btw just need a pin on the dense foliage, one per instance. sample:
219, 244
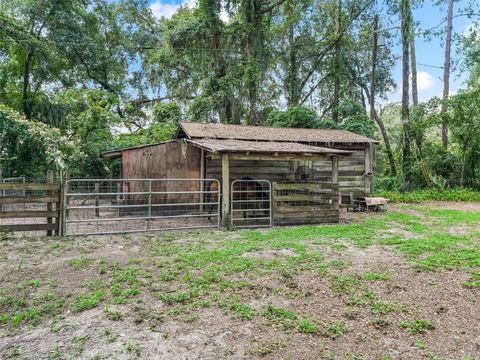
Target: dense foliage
99, 75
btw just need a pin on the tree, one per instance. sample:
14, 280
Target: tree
371, 97
463, 117
405, 29
31, 148
446, 66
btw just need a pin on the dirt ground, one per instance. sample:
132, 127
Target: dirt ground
357, 290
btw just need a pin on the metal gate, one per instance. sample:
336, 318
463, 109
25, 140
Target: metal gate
251, 203
112, 206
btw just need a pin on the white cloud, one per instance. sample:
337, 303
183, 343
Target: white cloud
425, 81
162, 9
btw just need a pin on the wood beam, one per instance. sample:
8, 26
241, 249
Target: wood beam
368, 168
225, 189
270, 157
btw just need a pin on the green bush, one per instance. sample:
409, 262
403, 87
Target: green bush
451, 194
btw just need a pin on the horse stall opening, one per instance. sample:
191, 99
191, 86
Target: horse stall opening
109, 206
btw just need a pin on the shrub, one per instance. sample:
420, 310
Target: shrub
433, 194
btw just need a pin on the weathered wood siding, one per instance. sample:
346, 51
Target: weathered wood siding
255, 169
351, 169
305, 203
173, 160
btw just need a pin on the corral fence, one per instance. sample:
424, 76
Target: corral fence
251, 203
30, 206
113, 206
305, 203
110, 206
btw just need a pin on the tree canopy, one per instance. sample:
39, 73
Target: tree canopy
95, 75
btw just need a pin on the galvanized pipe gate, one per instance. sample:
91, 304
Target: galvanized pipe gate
251, 203
112, 206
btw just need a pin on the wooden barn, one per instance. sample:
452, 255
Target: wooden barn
310, 173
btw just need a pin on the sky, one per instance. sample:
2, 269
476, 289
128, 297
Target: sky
431, 52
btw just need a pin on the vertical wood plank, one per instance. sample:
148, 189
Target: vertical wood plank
225, 190
61, 214
334, 169
335, 174
202, 176
368, 168
66, 203
49, 205
1, 180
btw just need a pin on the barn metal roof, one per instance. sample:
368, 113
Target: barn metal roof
242, 146
117, 153
243, 132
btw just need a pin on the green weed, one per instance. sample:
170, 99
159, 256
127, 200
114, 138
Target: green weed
88, 300
334, 329
417, 326
244, 311
307, 327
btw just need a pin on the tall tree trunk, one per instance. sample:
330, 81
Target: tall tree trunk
293, 91
446, 67
26, 105
338, 49
371, 99
254, 53
374, 67
413, 59
405, 26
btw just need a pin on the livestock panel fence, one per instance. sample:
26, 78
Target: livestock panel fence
110, 206
30, 206
251, 203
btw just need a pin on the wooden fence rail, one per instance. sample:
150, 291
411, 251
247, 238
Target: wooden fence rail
41, 205
305, 203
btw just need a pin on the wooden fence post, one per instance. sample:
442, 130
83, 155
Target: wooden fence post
66, 201
49, 205
61, 198
1, 180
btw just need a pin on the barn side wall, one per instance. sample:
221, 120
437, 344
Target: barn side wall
164, 161
173, 160
254, 169
351, 169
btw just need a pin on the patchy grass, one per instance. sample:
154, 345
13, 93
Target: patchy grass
417, 326
267, 290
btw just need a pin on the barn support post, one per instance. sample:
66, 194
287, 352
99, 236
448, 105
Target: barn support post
335, 175
1, 180
225, 190
334, 169
202, 176
368, 167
